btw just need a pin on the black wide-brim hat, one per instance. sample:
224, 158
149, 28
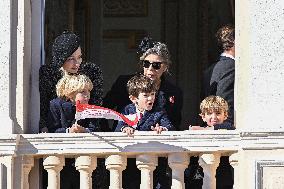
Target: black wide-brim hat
63, 47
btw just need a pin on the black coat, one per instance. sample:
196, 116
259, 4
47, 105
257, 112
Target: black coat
222, 84
48, 77
170, 95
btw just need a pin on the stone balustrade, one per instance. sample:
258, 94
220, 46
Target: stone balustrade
18, 153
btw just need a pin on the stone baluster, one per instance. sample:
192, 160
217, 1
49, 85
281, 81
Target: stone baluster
85, 165
116, 164
27, 164
209, 163
178, 162
53, 165
234, 162
146, 164
7, 176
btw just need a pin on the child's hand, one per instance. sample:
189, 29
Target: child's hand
128, 130
158, 128
77, 129
195, 127
209, 128
200, 128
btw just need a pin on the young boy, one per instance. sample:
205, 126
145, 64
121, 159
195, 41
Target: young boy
61, 119
141, 90
70, 89
214, 112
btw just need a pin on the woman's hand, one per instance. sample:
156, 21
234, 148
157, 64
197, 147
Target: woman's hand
158, 128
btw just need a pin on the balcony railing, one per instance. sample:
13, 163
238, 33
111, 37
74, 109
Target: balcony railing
19, 152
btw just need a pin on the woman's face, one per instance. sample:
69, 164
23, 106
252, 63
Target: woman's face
152, 70
72, 63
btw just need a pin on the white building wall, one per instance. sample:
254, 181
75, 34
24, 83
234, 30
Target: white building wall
260, 64
5, 48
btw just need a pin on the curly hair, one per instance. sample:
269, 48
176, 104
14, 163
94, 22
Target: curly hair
140, 84
226, 37
69, 85
213, 104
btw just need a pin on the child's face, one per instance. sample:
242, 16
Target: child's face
144, 101
83, 96
214, 117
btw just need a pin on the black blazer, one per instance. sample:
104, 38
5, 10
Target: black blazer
169, 95
62, 116
222, 84
150, 118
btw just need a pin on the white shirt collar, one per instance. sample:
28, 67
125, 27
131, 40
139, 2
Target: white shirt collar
138, 112
227, 55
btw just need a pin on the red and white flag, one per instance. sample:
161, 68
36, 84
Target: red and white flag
92, 111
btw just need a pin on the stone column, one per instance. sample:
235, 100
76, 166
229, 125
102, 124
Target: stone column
178, 162
85, 165
27, 164
15, 63
5, 64
234, 162
209, 163
116, 164
53, 165
7, 174
146, 164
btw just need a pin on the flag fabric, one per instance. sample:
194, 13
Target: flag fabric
92, 111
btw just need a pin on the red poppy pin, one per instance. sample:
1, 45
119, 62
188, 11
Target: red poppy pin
172, 99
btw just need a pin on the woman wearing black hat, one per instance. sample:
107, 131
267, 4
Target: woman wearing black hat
66, 59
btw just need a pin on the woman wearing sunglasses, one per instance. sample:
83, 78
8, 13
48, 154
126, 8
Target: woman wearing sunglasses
154, 62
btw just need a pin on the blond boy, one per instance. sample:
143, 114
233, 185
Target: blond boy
214, 112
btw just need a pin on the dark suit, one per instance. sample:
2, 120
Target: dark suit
171, 97
150, 118
222, 79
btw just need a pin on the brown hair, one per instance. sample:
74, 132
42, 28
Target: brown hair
140, 84
226, 37
213, 104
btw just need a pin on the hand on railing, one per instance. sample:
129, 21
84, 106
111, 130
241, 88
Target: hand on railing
128, 130
158, 128
77, 129
196, 127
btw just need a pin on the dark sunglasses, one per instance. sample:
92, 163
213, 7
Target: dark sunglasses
155, 65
